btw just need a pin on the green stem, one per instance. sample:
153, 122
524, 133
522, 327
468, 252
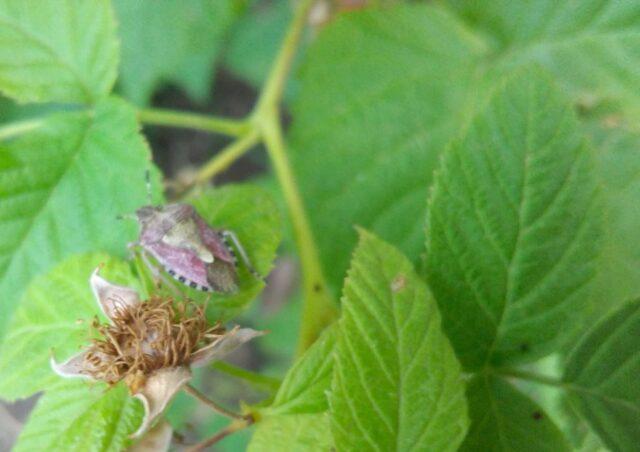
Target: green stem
227, 156
261, 381
210, 403
236, 425
530, 376
172, 118
274, 86
16, 129
319, 309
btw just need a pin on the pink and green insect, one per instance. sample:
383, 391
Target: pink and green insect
191, 251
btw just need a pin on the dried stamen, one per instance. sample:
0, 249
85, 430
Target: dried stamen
155, 334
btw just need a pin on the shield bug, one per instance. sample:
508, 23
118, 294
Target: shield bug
190, 250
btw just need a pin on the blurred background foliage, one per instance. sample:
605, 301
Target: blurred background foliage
369, 90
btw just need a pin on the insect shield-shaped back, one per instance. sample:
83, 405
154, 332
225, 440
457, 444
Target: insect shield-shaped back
188, 249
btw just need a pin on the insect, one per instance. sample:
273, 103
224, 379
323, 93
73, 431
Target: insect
191, 251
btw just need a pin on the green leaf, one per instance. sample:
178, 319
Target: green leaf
54, 316
61, 188
513, 228
176, 42
64, 51
294, 433
304, 388
504, 419
589, 45
396, 383
74, 416
619, 170
252, 215
602, 378
553, 400
381, 94
297, 418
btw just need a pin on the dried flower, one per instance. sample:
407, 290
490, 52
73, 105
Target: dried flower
149, 345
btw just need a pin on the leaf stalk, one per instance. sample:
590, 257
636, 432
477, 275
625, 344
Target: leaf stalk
223, 159
236, 425
210, 403
174, 118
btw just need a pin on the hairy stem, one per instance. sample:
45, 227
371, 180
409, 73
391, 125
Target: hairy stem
261, 381
173, 118
210, 403
227, 156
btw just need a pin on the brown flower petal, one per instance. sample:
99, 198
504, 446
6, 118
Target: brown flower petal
76, 366
111, 297
157, 439
223, 346
158, 391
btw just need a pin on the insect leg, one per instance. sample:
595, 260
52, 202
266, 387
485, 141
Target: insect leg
126, 216
157, 274
134, 248
147, 178
243, 255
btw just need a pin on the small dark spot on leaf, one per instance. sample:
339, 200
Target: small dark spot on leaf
317, 288
398, 283
524, 347
537, 415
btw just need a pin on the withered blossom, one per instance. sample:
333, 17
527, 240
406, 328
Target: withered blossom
150, 345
